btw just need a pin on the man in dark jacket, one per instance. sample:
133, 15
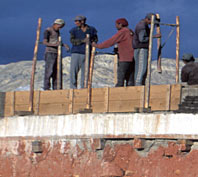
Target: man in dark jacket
78, 40
189, 72
140, 45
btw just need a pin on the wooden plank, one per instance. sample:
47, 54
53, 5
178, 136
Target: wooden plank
123, 106
106, 100
22, 97
142, 97
54, 109
98, 107
54, 96
12, 108
175, 96
37, 102
125, 93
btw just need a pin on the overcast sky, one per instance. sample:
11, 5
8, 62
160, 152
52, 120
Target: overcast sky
19, 19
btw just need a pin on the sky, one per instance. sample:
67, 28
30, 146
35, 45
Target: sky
19, 19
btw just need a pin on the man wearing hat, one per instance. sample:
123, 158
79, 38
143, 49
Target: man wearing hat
141, 44
189, 72
51, 42
78, 40
123, 38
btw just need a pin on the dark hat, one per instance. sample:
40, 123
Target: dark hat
149, 15
188, 57
80, 17
122, 21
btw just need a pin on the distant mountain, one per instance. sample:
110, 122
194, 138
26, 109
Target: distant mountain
16, 76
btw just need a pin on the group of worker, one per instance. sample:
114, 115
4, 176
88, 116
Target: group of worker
132, 52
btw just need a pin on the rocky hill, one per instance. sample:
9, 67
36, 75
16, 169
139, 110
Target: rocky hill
16, 76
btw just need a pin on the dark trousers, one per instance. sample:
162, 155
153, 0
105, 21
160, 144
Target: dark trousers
50, 71
125, 73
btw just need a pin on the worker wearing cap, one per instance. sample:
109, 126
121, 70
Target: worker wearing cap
141, 44
78, 40
123, 38
51, 36
189, 72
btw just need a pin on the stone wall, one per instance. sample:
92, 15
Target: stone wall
98, 158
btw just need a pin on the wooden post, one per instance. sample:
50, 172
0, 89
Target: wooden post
86, 62
90, 77
59, 65
177, 48
159, 69
34, 65
148, 80
115, 68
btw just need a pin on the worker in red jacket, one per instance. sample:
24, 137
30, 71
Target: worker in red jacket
123, 38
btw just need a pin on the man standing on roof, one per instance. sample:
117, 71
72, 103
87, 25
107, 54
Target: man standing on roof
123, 38
51, 36
140, 45
78, 40
189, 72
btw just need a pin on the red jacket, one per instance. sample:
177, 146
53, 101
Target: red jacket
124, 40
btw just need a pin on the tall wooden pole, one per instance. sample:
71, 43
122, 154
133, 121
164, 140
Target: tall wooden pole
31, 96
159, 68
90, 77
86, 62
177, 48
115, 68
148, 80
59, 65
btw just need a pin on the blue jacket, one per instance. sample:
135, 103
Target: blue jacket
77, 35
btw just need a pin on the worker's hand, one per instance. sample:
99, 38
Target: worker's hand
94, 44
56, 44
66, 47
85, 40
157, 35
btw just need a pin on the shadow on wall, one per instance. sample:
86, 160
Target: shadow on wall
2, 104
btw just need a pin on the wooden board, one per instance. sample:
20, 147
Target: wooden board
121, 99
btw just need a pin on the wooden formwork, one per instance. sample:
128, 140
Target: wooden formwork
120, 99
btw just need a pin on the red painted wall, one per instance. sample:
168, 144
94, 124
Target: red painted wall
93, 158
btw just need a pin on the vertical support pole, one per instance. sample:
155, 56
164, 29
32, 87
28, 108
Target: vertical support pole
177, 48
59, 65
115, 68
90, 77
159, 68
86, 62
34, 65
148, 80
